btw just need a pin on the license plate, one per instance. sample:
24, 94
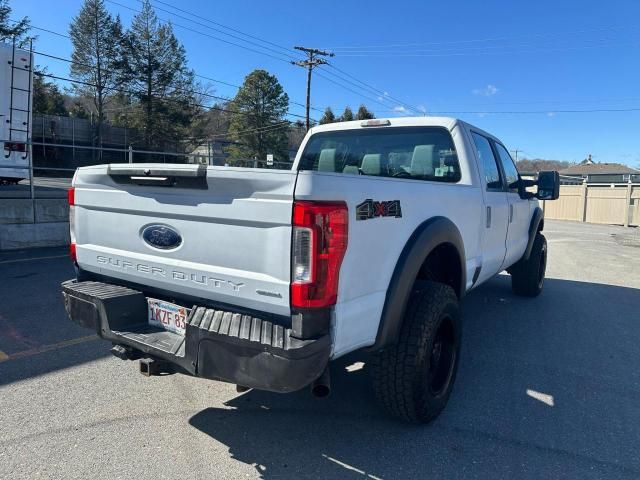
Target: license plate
167, 315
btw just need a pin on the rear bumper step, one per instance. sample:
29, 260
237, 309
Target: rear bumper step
218, 344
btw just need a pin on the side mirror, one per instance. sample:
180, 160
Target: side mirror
548, 185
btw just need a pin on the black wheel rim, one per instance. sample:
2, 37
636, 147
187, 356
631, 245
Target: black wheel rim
442, 358
543, 266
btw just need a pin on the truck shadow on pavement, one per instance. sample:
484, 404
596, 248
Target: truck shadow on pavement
547, 387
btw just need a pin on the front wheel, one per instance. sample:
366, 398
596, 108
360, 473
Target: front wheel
527, 276
413, 378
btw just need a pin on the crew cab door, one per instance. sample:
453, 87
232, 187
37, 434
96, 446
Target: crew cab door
496, 211
518, 227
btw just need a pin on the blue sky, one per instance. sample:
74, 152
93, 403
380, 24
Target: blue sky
468, 57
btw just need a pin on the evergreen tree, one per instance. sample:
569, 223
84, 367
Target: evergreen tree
364, 114
161, 80
47, 97
10, 29
78, 110
347, 115
327, 116
97, 56
296, 134
258, 123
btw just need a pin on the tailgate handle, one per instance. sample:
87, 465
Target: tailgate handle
159, 176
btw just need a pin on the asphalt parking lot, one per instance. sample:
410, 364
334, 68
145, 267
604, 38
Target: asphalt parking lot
547, 387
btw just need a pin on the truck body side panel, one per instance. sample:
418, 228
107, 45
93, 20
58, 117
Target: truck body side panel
375, 244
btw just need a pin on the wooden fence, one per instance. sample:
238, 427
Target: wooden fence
614, 204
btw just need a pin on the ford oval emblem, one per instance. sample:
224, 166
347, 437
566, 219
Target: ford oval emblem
161, 236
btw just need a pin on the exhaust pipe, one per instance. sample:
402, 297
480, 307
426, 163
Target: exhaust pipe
321, 387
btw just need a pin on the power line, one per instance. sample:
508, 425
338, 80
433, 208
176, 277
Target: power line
329, 79
250, 42
571, 34
371, 99
310, 63
533, 49
276, 126
447, 112
532, 112
374, 90
205, 34
588, 44
178, 89
165, 99
204, 77
225, 26
236, 86
288, 50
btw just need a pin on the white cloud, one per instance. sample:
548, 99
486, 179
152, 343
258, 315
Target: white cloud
487, 91
399, 109
422, 108
551, 114
380, 98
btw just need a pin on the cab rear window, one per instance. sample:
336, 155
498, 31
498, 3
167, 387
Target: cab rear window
419, 153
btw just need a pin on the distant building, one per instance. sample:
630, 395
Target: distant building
595, 172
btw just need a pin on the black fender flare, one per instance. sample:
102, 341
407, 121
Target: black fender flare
429, 235
536, 225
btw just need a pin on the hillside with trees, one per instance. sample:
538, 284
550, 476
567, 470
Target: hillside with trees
347, 115
526, 165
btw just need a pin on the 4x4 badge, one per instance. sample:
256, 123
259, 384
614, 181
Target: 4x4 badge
370, 209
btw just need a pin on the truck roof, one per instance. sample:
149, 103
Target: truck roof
446, 122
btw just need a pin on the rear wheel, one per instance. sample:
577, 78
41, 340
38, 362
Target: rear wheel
414, 378
527, 276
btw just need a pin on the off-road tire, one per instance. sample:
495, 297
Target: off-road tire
527, 276
410, 378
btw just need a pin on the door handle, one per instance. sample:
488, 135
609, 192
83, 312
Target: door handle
511, 213
488, 217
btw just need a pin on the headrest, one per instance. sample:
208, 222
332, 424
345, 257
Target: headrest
327, 160
371, 164
422, 160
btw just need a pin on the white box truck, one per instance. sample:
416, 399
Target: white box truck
16, 85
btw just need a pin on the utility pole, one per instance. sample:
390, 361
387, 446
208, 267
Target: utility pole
311, 62
516, 154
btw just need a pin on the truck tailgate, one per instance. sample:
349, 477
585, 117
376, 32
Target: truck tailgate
229, 230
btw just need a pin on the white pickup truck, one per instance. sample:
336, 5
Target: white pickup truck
262, 277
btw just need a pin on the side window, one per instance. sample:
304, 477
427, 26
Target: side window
510, 170
488, 161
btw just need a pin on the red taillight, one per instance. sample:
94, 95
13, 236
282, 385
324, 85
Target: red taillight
320, 232
71, 197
